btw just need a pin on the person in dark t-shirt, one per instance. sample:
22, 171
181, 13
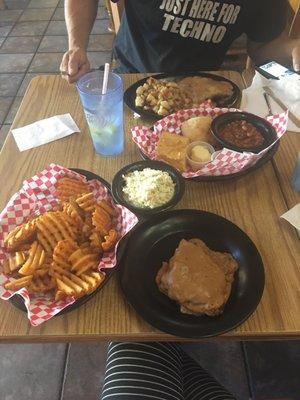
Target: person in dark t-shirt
182, 35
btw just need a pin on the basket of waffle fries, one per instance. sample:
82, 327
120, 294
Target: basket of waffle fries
59, 237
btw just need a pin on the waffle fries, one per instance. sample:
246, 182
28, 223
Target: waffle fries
59, 251
101, 220
87, 202
35, 260
68, 188
20, 235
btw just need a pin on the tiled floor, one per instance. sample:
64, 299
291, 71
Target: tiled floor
33, 38
32, 41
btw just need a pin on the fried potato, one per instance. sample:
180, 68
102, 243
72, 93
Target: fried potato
41, 284
69, 291
59, 251
20, 235
73, 285
96, 240
78, 290
94, 279
35, 260
59, 295
83, 260
20, 257
14, 262
87, 228
54, 227
101, 220
65, 276
85, 245
74, 211
162, 96
45, 270
86, 248
87, 202
70, 187
110, 210
18, 283
57, 271
110, 240
24, 247
62, 252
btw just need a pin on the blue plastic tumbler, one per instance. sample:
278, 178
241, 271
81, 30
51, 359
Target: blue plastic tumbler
104, 112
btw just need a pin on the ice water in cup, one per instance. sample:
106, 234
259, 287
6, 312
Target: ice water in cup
104, 112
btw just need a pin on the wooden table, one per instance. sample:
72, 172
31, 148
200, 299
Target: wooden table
254, 203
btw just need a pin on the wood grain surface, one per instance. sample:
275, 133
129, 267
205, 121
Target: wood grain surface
285, 159
253, 202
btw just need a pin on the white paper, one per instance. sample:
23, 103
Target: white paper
44, 131
286, 89
293, 216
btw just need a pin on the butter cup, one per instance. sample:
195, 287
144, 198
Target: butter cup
196, 165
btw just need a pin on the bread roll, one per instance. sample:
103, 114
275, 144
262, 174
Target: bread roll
198, 128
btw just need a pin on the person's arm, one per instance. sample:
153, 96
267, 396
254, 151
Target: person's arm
80, 16
283, 49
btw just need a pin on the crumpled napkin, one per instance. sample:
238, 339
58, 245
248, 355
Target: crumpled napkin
44, 131
293, 216
287, 89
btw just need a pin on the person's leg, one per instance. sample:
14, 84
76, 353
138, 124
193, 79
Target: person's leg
199, 385
143, 371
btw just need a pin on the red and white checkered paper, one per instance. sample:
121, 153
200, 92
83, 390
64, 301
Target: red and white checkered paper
226, 161
36, 197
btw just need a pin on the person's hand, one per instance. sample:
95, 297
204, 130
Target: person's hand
74, 65
296, 57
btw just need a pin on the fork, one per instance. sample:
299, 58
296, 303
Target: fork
268, 105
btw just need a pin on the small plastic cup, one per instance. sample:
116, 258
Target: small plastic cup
196, 165
104, 112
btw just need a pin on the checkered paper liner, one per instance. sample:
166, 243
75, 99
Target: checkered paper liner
37, 196
225, 162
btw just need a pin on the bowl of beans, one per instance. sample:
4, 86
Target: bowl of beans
242, 131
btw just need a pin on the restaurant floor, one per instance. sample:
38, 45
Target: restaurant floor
32, 41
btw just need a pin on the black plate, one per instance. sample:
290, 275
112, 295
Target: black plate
154, 241
262, 161
18, 301
262, 125
130, 93
118, 183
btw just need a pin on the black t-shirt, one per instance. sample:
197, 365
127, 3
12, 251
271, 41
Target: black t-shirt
190, 35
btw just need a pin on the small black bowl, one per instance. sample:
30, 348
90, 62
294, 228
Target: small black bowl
118, 183
263, 126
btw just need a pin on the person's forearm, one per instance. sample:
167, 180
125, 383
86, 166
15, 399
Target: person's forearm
80, 17
279, 50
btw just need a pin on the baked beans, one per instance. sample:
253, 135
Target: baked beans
242, 134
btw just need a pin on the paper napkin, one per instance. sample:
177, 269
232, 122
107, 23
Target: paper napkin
44, 131
287, 89
293, 216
